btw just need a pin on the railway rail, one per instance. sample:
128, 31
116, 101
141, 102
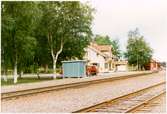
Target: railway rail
129, 102
20, 93
151, 105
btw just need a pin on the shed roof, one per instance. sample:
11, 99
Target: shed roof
73, 61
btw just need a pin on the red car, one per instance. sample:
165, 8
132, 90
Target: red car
91, 70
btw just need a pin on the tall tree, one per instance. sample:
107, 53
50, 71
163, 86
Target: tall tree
65, 23
116, 48
18, 20
102, 40
138, 51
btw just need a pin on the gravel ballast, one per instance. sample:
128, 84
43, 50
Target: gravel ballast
73, 99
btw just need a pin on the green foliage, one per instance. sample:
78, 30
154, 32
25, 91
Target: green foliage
102, 40
18, 21
138, 51
115, 48
31, 29
64, 22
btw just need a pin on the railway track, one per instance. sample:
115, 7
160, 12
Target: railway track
20, 93
129, 102
151, 106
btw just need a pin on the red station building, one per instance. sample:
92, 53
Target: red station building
153, 65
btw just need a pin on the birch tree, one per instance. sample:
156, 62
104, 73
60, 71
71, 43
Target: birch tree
63, 22
17, 23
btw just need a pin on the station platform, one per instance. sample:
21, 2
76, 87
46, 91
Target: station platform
59, 82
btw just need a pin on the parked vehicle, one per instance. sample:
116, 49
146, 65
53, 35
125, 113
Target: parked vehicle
91, 70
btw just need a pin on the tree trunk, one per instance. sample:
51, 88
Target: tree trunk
54, 57
15, 71
54, 68
46, 68
21, 74
55, 62
13, 33
38, 73
15, 62
5, 75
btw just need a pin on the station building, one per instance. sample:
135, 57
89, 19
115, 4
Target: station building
153, 65
101, 56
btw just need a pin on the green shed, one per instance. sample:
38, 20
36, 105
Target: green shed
75, 68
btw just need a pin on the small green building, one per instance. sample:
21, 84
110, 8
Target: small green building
74, 68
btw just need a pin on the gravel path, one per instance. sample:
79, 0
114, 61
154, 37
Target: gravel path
73, 99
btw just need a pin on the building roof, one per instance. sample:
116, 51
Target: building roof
102, 47
97, 51
72, 61
153, 60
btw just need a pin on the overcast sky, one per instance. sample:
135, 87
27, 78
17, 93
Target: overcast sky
116, 17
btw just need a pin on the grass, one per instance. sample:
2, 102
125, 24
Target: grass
25, 80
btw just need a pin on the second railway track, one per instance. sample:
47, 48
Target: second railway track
129, 102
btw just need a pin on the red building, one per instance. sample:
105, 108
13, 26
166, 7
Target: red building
153, 65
